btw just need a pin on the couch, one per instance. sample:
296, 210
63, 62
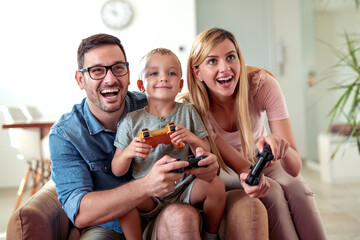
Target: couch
41, 217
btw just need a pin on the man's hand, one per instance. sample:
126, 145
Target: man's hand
160, 180
205, 173
257, 191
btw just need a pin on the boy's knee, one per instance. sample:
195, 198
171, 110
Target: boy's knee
217, 188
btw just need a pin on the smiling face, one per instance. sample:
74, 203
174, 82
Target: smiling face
220, 70
162, 77
107, 94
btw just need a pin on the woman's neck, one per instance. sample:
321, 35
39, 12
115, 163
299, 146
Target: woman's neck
221, 103
223, 111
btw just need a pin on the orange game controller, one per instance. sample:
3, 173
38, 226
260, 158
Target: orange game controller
159, 136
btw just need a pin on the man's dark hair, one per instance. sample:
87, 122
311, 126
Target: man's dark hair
94, 41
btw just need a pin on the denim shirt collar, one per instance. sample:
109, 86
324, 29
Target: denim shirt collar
92, 123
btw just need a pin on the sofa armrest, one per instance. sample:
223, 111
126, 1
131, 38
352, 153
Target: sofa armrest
41, 217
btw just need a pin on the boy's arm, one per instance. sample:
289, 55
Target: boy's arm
122, 158
200, 142
120, 164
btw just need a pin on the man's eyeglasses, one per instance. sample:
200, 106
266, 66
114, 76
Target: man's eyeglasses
99, 72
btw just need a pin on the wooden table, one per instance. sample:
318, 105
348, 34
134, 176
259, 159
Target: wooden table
41, 169
43, 125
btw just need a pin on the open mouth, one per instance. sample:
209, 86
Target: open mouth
224, 81
109, 93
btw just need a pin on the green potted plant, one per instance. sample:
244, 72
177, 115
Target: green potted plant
348, 104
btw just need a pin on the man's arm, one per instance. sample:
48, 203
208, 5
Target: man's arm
103, 206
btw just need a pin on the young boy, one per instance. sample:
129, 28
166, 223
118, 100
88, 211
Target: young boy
161, 80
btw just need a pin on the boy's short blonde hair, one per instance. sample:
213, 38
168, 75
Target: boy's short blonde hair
161, 51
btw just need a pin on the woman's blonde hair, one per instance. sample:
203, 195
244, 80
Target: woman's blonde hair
204, 43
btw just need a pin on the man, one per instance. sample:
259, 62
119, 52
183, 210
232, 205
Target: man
81, 148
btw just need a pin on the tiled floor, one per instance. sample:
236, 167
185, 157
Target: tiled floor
339, 206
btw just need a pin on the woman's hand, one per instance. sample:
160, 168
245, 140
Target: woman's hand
279, 146
258, 191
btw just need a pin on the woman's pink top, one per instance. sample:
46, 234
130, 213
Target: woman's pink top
267, 97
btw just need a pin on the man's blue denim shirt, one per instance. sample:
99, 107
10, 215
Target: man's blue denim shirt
81, 151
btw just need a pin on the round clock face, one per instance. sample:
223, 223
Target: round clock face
116, 14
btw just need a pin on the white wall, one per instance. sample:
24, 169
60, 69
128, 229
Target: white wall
254, 32
288, 33
38, 45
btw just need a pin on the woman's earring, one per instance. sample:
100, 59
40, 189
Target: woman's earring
201, 80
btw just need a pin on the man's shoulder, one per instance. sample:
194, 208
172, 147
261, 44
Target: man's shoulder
75, 116
136, 113
136, 96
135, 100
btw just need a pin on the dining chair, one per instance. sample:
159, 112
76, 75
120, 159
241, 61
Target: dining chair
33, 113
27, 143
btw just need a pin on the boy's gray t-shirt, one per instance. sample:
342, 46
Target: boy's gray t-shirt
183, 113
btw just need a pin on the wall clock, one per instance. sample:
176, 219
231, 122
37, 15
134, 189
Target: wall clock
116, 14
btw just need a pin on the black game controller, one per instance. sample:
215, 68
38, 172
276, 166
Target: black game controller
264, 157
193, 163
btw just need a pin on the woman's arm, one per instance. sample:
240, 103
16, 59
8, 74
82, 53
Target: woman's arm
270, 98
233, 158
283, 146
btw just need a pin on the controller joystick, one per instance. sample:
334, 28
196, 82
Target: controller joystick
263, 158
193, 163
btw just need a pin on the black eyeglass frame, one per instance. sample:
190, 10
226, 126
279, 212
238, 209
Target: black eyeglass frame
106, 70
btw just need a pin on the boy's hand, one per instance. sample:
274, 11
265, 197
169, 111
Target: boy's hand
182, 134
137, 148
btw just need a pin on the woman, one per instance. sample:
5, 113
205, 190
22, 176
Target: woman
233, 100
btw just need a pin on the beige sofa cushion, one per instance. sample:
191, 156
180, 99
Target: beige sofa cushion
41, 217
